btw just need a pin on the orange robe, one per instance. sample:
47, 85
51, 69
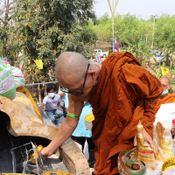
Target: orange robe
169, 98
125, 93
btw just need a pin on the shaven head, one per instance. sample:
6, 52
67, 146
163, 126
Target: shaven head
70, 68
165, 82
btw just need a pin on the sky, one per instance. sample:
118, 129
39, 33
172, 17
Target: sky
140, 8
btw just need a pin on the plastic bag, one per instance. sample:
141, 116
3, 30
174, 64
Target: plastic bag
18, 77
7, 83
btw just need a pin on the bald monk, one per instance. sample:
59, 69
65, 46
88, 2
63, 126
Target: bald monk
166, 97
121, 92
165, 84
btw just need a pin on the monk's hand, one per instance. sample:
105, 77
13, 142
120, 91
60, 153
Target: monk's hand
46, 152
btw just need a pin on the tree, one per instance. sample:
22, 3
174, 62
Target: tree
6, 9
136, 35
165, 38
43, 29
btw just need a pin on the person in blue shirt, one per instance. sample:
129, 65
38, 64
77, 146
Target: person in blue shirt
82, 132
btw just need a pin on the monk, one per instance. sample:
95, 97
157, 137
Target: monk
166, 97
165, 84
121, 92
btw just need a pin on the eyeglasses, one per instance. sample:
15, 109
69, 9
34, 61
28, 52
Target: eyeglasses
80, 90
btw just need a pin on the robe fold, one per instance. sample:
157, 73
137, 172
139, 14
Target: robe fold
169, 98
125, 93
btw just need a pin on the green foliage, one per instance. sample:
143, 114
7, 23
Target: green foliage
136, 35
165, 38
42, 29
131, 32
45, 26
102, 28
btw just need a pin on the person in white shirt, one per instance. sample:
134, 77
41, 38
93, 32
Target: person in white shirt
51, 102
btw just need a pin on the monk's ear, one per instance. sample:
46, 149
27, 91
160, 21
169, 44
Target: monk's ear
93, 72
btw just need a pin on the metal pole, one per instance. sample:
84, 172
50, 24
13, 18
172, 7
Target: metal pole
112, 6
113, 35
153, 31
113, 25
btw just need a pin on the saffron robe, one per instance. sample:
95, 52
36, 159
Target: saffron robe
125, 93
169, 98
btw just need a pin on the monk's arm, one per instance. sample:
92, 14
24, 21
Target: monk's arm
62, 134
67, 127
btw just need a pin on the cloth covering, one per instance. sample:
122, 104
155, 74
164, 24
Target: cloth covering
125, 93
169, 98
166, 112
25, 117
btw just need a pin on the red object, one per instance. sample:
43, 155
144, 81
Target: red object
173, 122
